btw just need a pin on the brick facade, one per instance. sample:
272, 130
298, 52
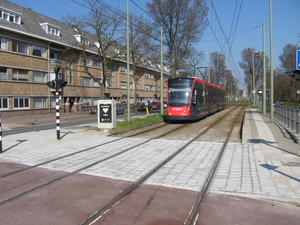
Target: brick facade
23, 75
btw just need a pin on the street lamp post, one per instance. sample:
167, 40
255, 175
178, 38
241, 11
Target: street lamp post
253, 78
208, 66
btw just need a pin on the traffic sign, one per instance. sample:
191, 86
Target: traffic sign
298, 60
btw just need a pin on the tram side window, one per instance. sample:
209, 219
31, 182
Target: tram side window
200, 95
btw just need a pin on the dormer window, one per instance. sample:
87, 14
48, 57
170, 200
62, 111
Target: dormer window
51, 29
82, 40
9, 15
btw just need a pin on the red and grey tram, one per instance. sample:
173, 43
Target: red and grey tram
193, 98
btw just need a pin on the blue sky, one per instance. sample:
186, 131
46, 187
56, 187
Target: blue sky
286, 29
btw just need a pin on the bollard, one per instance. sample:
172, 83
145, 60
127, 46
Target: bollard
35, 126
147, 110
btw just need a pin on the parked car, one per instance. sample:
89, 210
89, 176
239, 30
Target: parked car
276, 102
142, 107
120, 109
155, 105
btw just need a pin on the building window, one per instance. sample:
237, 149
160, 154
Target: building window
3, 103
52, 102
53, 76
149, 76
107, 83
123, 69
19, 74
39, 102
38, 51
96, 100
96, 63
39, 76
82, 40
19, 46
86, 101
86, 81
54, 55
123, 84
69, 76
3, 45
21, 102
3, 73
96, 84
51, 29
88, 62
10, 16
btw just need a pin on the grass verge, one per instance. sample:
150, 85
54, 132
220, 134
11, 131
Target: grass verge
134, 123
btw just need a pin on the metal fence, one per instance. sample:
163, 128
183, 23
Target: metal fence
289, 116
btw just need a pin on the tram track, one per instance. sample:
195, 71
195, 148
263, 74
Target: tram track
125, 192
85, 150
96, 215
194, 212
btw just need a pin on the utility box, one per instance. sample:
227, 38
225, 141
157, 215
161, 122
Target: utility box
107, 114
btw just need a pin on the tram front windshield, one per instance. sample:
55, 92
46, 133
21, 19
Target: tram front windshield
179, 92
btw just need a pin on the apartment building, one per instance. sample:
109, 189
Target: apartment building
31, 44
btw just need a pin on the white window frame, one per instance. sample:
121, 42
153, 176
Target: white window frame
3, 43
20, 76
52, 102
123, 69
20, 47
39, 76
52, 76
51, 29
96, 99
82, 40
10, 16
123, 84
39, 102
95, 83
3, 75
86, 101
107, 83
86, 81
3, 101
96, 63
149, 76
38, 51
88, 61
24, 101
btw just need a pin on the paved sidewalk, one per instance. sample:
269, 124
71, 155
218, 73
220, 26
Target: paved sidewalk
261, 167
265, 166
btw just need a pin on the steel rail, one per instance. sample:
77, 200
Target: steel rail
74, 172
195, 210
96, 215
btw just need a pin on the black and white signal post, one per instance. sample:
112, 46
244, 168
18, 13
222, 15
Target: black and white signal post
57, 84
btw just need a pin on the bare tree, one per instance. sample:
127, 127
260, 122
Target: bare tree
191, 65
285, 87
288, 57
252, 59
141, 47
183, 22
217, 68
231, 84
97, 31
